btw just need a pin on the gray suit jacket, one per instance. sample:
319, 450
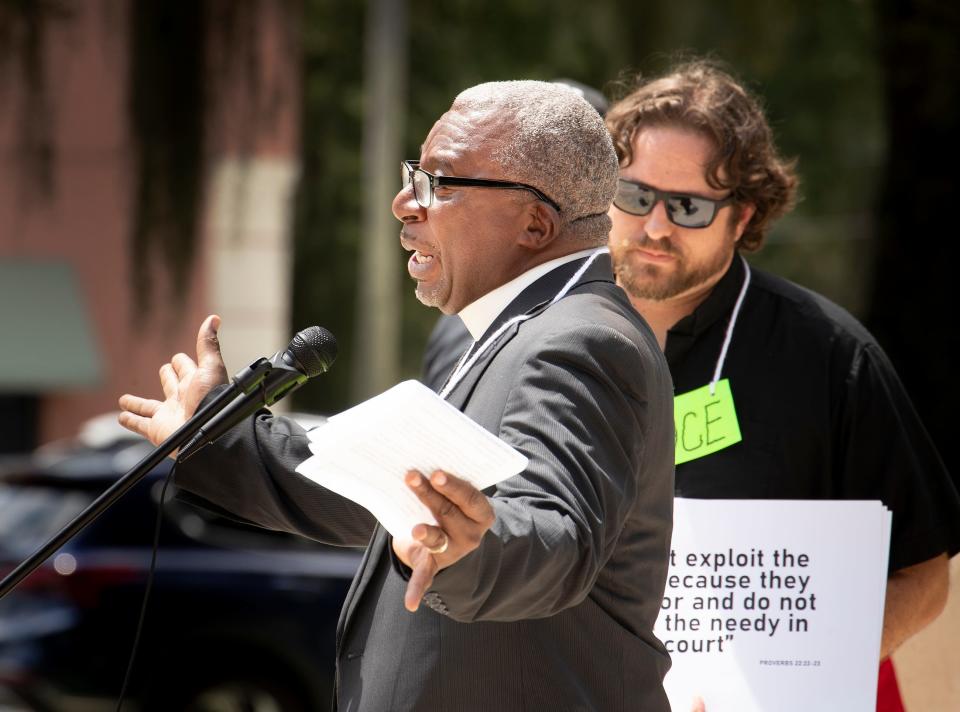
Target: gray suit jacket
555, 609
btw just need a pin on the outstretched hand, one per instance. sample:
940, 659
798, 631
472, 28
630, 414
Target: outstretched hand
463, 514
184, 383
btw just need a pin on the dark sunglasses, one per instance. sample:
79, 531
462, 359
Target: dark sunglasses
684, 210
424, 184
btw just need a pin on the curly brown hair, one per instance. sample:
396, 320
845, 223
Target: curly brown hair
702, 97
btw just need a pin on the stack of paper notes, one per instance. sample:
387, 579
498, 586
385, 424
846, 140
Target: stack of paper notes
365, 452
775, 605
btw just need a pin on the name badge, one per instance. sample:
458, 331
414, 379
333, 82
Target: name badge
704, 423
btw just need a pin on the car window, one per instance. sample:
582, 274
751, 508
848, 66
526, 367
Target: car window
30, 515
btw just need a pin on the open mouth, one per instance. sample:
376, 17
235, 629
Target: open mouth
423, 266
422, 263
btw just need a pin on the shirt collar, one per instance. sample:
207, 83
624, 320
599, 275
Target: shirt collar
480, 314
717, 304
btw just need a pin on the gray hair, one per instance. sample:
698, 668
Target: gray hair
558, 144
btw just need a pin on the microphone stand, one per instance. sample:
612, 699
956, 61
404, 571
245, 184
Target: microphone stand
244, 382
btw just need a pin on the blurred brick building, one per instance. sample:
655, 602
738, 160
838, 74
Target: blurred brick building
72, 337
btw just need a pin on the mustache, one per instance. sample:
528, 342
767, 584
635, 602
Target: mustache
406, 235
662, 245
409, 241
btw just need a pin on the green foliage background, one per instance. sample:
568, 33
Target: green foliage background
816, 65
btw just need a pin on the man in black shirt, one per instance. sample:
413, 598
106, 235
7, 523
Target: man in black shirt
822, 414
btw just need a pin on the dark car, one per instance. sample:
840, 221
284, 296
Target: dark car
240, 618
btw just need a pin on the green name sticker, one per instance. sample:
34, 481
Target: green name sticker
704, 423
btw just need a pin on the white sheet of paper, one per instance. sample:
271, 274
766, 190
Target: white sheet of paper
807, 638
363, 453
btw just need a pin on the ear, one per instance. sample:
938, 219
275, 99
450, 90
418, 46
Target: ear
746, 213
540, 228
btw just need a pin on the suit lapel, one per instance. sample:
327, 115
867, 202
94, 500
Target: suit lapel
461, 392
531, 301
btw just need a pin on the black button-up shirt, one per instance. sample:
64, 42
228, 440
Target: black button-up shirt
821, 411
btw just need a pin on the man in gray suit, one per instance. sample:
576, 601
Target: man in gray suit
542, 591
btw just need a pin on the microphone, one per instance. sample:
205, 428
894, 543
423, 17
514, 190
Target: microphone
265, 381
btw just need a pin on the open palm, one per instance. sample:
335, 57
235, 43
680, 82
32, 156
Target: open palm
184, 383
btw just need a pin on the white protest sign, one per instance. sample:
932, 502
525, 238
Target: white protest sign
775, 605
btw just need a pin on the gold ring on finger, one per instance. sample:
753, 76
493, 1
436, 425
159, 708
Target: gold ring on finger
442, 548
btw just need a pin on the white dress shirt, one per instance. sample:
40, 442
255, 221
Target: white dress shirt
480, 314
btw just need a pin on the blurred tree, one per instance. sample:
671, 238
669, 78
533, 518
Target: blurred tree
182, 57
24, 26
375, 361
328, 203
167, 107
911, 305
815, 64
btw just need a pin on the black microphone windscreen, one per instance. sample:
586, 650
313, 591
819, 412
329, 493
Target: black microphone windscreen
315, 350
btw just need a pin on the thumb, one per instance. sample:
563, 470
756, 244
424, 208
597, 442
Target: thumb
208, 345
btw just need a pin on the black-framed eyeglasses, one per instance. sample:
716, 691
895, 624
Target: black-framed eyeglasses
425, 183
683, 209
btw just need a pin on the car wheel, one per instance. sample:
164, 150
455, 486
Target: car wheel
235, 691
244, 696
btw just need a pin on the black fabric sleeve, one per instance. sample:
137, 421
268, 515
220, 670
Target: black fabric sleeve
250, 473
889, 455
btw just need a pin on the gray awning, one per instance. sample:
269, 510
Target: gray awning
46, 339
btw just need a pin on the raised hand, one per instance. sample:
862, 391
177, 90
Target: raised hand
463, 515
184, 384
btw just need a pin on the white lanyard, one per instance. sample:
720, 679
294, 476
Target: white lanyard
465, 364
733, 322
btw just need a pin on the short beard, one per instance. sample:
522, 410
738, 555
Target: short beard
646, 281
435, 296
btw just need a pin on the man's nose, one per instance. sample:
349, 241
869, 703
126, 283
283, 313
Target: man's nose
658, 225
405, 206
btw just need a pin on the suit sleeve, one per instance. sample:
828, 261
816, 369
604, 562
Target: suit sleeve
579, 410
250, 473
